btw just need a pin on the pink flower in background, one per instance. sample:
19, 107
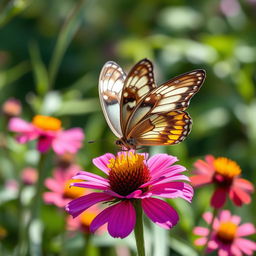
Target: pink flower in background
48, 131
83, 221
225, 175
29, 176
59, 185
227, 236
12, 107
131, 177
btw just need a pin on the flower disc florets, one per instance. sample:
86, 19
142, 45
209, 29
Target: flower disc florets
127, 173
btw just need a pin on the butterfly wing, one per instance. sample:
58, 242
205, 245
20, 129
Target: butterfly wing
162, 129
111, 83
138, 83
173, 95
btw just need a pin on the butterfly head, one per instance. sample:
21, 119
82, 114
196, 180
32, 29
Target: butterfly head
127, 144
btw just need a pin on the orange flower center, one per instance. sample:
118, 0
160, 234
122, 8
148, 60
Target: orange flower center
127, 173
73, 192
47, 123
87, 217
227, 231
226, 167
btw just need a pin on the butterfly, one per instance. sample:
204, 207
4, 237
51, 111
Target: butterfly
140, 113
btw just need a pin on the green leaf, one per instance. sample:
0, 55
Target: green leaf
67, 33
78, 107
12, 9
14, 73
39, 70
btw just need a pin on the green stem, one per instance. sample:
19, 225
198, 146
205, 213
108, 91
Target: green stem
87, 245
36, 204
138, 231
63, 234
22, 245
214, 214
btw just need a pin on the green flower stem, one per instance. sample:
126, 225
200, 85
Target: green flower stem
214, 214
21, 247
36, 204
138, 231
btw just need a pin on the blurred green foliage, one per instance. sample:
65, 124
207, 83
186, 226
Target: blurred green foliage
51, 53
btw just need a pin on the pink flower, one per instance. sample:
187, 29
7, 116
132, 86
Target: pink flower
48, 131
225, 175
227, 236
83, 221
59, 185
131, 177
29, 175
11, 107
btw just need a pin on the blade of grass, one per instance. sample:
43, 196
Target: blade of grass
67, 33
39, 70
14, 73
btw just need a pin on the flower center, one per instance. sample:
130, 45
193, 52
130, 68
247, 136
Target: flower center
87, 217
227, 231
73, 192
127, 173
47, 123
225, 170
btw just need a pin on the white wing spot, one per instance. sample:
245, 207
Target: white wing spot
126, 94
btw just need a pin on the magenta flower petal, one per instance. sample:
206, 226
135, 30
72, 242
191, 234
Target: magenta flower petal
159, 162
200, 180
122, 220
172, 170
246, 246
205, 167
160, 212
173, 190
25, 130
88, 176
82, 203
225, 215
201, 231
219, 198
200, 241
68, 141
53, 185
246, 229
92, 185
239, 196
103, 161
18, 125
53, 198
165, 180
44, 143
244, 184
101, 219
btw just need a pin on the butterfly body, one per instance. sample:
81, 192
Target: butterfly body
140, 113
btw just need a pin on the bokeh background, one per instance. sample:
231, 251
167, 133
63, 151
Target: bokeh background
51, 53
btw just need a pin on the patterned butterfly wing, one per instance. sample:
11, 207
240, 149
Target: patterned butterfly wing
138, 83
162, 129
173, 95
111, 83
